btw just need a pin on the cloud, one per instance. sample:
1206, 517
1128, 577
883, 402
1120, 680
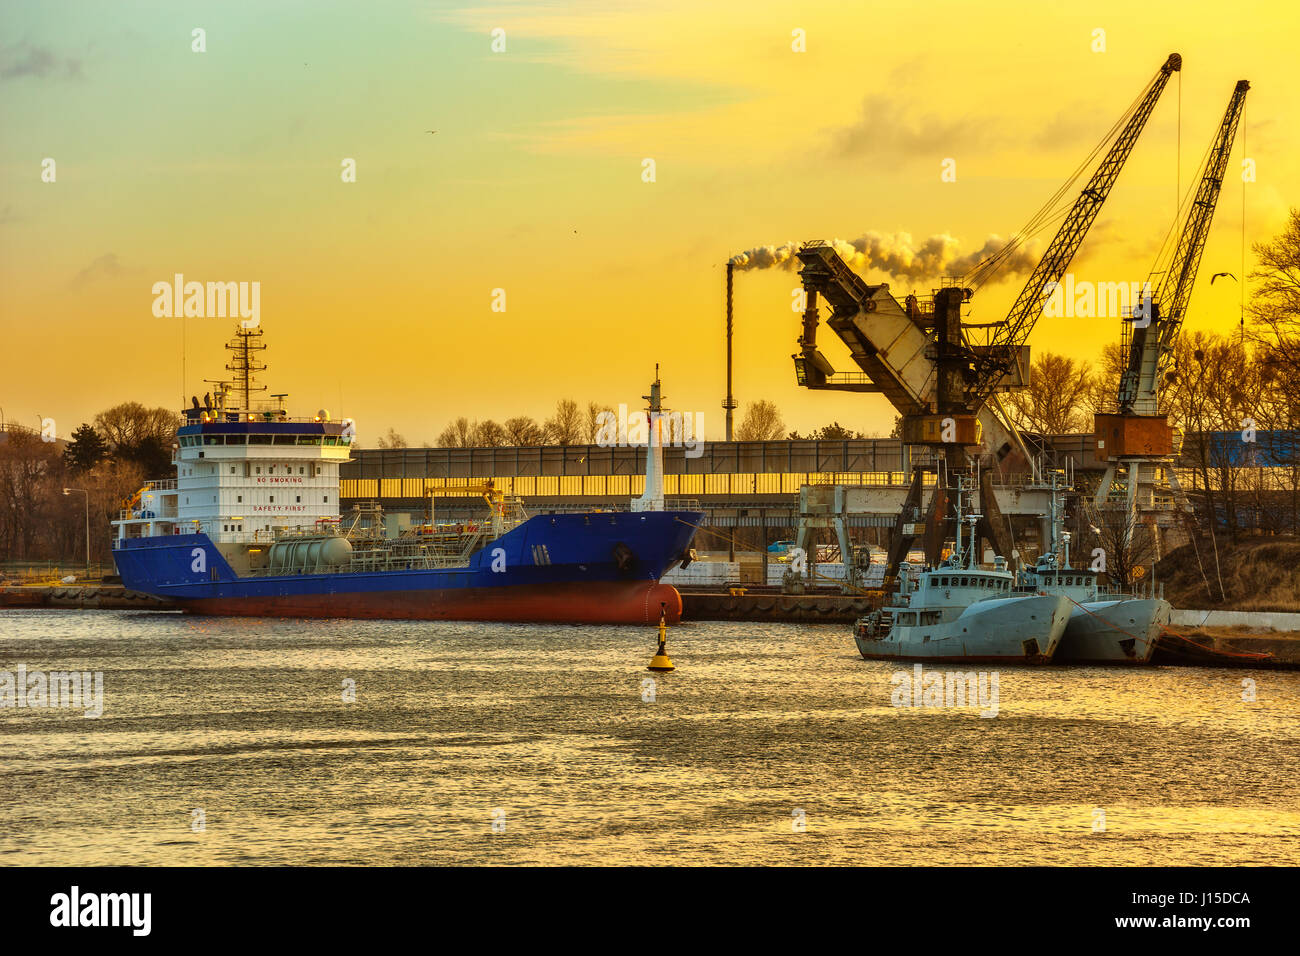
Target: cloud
22, 59
883, 130
105, 267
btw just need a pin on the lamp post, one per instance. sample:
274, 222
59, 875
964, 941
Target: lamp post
68, 491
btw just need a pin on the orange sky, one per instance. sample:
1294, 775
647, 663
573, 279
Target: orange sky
376, 295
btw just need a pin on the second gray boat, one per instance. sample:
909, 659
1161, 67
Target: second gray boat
960, 612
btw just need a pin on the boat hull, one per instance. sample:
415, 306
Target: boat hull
596, 568
1114, 632
1023, 630
608, 602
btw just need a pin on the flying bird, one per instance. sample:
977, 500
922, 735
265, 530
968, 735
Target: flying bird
431, 131
1217, 274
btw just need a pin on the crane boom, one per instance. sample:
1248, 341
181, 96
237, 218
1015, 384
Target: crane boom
1005, 343
1155, 326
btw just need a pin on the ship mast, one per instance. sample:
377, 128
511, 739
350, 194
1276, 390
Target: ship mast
653, 498
244, 364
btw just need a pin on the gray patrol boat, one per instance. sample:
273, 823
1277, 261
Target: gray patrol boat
960, 612
1105, 627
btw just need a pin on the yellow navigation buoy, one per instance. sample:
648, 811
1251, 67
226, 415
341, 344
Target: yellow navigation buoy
660, 661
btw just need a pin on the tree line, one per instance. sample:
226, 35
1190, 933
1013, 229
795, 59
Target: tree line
571, 424
109, 458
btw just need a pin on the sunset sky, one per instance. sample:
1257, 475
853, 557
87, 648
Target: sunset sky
376, 295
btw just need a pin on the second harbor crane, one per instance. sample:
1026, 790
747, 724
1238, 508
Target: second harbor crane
942, 376
1136, 441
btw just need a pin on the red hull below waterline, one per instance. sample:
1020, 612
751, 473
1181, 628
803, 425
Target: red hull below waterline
623, 602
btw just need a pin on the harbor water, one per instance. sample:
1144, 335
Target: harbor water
252, 741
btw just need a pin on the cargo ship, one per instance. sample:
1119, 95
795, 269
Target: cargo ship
251, 526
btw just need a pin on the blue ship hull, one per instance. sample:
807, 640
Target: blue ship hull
563, 568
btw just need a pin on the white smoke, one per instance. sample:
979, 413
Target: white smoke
899, 256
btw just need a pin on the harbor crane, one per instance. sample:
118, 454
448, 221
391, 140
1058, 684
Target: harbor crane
918, 353
1137, 441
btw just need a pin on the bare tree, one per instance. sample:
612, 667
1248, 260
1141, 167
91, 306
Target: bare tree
390, 440
762, 422
460, 433
1103, 385
1275, 305
592, 427
1274, 312
568, 425
1128, 544
522, 430
39, 522
1056, 401
491, 434
130, 424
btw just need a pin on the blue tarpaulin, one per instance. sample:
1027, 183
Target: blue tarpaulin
1275, 448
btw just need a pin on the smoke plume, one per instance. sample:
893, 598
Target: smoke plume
898, 256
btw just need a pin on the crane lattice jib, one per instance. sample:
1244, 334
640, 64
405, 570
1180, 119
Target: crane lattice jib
1176, 286
1011, 335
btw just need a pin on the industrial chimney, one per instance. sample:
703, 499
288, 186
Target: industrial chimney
729, 403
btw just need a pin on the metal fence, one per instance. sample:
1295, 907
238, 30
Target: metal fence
868, 455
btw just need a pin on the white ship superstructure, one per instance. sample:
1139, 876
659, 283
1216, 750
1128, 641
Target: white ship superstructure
245, 470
